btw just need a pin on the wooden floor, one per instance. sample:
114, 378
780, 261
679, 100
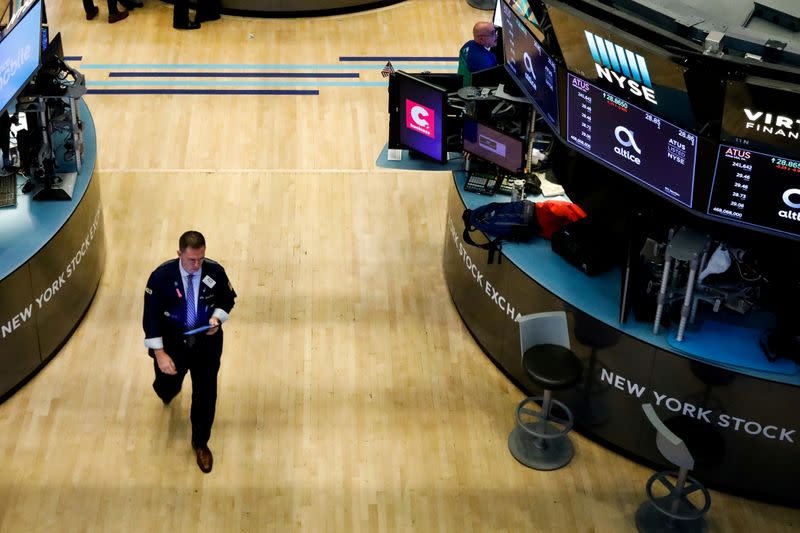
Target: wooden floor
351, 396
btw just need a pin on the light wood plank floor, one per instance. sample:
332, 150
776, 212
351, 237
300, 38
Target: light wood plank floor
351, 396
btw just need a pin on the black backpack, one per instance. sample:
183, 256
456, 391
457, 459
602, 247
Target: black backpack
501, 221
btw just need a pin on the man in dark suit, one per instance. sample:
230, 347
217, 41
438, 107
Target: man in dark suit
207, 10
181, 295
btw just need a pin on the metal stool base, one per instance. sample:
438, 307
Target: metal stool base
486, 5
651, 520
556, 453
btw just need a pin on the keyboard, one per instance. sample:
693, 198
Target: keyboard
8, 190
486, 183
481, 183
505, 187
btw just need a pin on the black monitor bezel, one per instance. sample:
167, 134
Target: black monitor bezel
522, 143
556, 75
443, 92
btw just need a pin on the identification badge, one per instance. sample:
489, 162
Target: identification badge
209, 282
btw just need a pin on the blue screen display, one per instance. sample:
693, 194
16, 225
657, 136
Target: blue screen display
530, 66
631, 140
421, 116
19, 54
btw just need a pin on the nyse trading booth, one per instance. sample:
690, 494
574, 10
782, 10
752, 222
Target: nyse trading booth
676, 129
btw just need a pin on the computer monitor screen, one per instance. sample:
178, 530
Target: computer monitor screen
524, 10
531, 67
756, 189
762, 114
422, 106
20, 51
631, 140
487, 143
54, 53
622, 63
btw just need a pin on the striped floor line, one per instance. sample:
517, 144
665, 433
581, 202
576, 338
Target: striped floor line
117, 74
221, 83
396, 58
263, 92
227, 66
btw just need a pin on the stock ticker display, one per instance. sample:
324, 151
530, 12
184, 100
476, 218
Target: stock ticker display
757, 189
531, 67
631, 140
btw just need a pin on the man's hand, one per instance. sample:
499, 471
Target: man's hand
214, 321
165, 363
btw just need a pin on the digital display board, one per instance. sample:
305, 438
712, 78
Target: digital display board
756, 189
530, 66
622, 63
489, 144
20, 52
762, 114
631, 140
421, 116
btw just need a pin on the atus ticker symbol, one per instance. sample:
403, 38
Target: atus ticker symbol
630, 142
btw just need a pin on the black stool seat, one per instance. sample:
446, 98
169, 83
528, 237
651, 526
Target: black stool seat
552, 367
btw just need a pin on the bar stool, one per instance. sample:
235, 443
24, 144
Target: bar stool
673, 512
540, 439
686, 247
486, 5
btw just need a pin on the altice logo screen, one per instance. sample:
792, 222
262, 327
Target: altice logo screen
19, 54
622, 67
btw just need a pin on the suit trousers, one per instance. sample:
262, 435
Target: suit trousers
200, 356
205, 9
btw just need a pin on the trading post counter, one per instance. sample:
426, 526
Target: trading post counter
288, 8
51, 258
739, 423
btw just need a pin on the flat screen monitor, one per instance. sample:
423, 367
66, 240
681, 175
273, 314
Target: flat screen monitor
762, 114
524, 10
756, 189
496, 15
622, 63
494, 146
20, 51
422, 107
631, 140
530, 66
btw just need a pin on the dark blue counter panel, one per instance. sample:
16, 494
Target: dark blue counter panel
731, 347
740, 425
51, 258
24, 229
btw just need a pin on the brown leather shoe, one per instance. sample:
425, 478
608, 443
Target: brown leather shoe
92, 13
204, 458
116, 17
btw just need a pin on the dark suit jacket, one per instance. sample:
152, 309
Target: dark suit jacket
165, 305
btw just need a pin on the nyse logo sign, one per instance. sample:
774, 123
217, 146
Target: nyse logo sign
420, 118
622, 67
